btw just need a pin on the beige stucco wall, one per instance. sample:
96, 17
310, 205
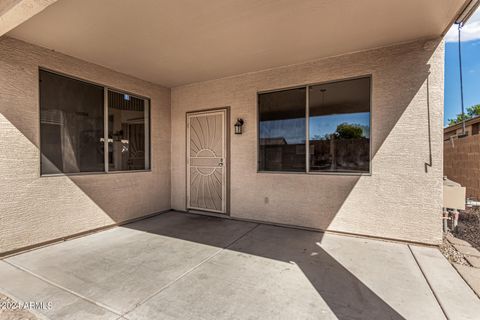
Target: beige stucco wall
36, 209
401, 198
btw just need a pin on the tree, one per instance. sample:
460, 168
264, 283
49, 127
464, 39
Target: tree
472, 112
345, 131
458, 119
349, 131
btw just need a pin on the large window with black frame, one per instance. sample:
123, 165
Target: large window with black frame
88, 128
335, 117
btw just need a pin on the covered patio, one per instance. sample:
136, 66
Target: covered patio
225, 159
184, 266
98, 98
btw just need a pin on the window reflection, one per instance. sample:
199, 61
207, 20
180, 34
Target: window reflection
127, 132
282, 130
71, 125
339, 126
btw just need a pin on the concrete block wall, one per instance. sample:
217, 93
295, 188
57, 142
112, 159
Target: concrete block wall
462, 163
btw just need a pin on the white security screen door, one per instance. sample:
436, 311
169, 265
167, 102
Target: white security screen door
206, 161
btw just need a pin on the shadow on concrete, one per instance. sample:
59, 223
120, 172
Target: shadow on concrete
345, 294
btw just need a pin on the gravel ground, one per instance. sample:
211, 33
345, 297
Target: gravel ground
451, 253
8, 310
469, 227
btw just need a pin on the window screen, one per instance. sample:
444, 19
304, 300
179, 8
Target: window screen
71, 125
72, 132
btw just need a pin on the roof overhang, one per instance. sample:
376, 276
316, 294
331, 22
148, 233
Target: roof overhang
15, 12
177, 42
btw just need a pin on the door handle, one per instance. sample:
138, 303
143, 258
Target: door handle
221, 163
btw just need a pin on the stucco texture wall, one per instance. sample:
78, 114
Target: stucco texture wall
402, 197
36, 209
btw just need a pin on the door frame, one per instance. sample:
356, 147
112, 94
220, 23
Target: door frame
226, 161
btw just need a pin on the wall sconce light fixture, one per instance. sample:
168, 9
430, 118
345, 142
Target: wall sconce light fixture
239, 126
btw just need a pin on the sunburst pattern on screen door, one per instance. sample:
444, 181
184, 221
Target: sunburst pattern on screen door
206, 161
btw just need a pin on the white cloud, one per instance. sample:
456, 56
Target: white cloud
471, 31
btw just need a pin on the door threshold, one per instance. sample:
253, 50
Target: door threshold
209, 213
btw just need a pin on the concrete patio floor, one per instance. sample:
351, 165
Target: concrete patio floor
184, 266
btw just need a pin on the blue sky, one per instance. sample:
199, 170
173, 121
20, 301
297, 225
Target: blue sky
320, 126
471, 67
293, 130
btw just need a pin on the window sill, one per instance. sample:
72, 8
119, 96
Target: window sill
92, 173
368, 174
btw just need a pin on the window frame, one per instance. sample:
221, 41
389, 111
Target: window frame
307, 129
105, 127
475, 128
